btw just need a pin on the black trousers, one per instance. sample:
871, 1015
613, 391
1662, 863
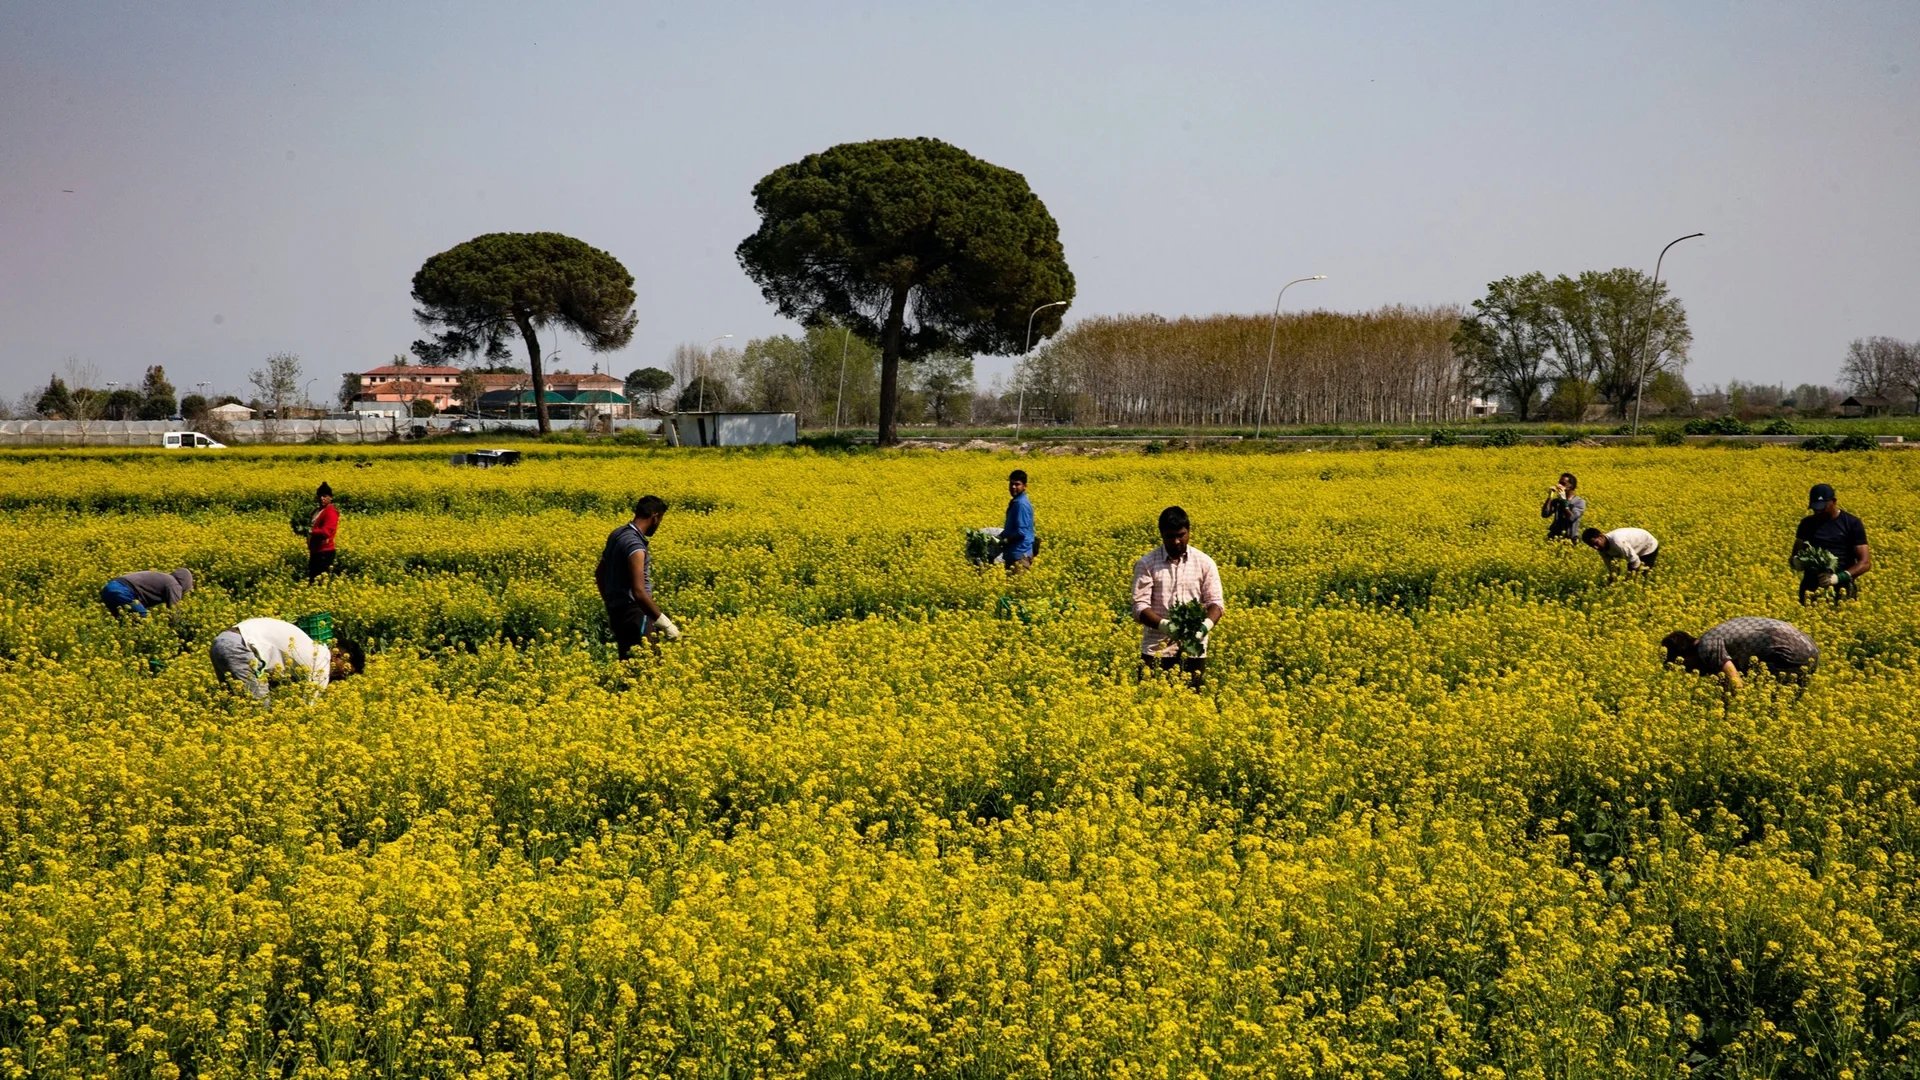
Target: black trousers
319, 562
630, 627
1194, 666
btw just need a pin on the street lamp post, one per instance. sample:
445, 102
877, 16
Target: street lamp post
842, 397
701, 376
1273, 334
1020, 410
1646, 340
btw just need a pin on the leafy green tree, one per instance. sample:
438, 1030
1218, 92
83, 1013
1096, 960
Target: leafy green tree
56, 402
946, 384
1502, 344
1599, 324
704, 391
916, 244
650, 383
828, 376
349, 389
1671, 392
193, 407
491, 287
122, 405
157, 395
421, 408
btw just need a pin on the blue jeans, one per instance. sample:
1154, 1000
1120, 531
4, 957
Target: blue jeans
118, 594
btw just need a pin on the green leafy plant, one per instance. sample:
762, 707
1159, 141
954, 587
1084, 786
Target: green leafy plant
1443, 437
1821, 444
1186, 626
1857, 441
1719, 425
982, 546
1670, 436
1778, 427
1504, 437
1813, 560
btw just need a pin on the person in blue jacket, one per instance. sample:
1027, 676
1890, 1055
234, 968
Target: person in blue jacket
1017, 543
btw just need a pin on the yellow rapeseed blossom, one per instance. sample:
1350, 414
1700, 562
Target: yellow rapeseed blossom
1440, 810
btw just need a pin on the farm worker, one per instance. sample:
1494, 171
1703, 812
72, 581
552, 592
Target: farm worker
625, 579
321, 533
252, 650
1637, 546
145, 589
1565, 508
1829, 528
1017, 543
1176, 572
1730, 649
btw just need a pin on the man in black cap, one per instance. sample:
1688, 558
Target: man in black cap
1829, 529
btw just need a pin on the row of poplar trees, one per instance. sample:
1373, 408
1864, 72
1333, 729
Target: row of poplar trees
920, 250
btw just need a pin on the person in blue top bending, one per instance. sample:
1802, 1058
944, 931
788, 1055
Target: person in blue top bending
1017, 543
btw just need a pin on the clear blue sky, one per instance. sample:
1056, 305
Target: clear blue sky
250, 178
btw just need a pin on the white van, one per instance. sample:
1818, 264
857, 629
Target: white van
191, 440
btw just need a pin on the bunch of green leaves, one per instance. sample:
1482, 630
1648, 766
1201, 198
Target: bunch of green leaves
982, 546
1811, 560
1186, 626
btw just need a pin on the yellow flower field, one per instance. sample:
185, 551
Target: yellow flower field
1439, 812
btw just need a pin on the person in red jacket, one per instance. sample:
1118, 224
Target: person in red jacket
320, 534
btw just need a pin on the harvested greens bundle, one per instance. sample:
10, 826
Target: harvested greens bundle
983, 545
1816, 562
1186, 626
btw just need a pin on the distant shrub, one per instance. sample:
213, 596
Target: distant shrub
1858, 441
1443, 437
1719, 425
1671, 436
1821, 444
1778, 427
1504, 437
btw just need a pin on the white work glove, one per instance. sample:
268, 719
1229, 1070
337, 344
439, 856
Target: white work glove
1206, 630
667, 629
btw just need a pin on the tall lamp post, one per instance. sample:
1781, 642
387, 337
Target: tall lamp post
837, 401
701, 377
1020, 410
1273, 334
1646, 340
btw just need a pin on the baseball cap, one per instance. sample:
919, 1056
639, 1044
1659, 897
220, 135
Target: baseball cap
1820, 496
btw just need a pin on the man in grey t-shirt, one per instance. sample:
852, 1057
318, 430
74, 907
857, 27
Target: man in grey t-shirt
1730, 649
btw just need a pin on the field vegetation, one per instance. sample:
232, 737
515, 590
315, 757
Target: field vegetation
1439, 812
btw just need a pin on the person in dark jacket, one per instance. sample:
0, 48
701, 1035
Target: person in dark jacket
1565, 508
624, 577
144, 589
321, 532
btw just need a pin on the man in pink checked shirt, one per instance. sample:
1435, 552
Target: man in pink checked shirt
1173, 573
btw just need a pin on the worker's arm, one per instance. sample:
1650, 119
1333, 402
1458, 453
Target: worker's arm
1143, 610
1862, 561
1633, 561
637, 562
1731, 674
1212, 597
